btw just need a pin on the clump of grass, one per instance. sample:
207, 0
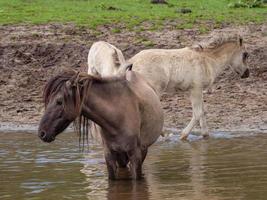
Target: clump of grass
247, 4
203, 29
116, 30
148, 43
186, 25
108, 7
144, 41
133, 14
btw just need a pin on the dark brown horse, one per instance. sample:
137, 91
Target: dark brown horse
126, 108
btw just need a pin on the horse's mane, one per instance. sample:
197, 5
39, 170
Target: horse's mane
58, 81
216, 40
80, 85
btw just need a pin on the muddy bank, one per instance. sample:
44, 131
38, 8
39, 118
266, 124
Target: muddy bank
30, 55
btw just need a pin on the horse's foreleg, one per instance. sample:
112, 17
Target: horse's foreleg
122, 160
111, 164
196, 98
188, 128
136, 163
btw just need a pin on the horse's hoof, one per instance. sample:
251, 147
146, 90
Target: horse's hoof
183, 137
206, 136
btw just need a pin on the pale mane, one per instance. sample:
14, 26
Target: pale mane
217, 40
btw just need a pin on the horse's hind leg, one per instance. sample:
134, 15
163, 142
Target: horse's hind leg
203, 125
202, 118
196, 98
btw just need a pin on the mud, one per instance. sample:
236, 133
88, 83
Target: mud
30, 55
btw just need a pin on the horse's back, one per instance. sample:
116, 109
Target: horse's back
150, 108
166, 69
150, 53
154, 66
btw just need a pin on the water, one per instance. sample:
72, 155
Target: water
227, 166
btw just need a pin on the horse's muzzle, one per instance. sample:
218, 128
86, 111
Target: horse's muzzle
44, 137
245, 74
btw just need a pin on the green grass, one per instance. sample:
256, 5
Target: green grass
131, 13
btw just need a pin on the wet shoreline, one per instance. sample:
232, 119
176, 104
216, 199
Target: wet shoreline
9, 127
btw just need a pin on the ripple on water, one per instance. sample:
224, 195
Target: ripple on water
226, 166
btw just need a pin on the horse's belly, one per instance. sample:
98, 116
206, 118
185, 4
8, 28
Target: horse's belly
148, 139
152, 126
178, 85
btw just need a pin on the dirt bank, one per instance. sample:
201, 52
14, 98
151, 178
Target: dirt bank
29, 55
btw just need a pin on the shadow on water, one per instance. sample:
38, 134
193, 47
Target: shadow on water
226, 166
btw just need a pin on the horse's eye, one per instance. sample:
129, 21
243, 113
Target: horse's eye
59, 102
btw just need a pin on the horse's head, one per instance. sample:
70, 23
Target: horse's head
62, 105
239, 60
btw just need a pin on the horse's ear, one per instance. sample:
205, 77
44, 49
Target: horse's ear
126, 67
129, 67
73, 80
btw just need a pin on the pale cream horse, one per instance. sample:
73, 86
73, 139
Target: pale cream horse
104, 59
192, 69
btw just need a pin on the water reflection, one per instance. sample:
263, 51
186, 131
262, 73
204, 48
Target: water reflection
132, 190
221, 168
180, 172
101, 188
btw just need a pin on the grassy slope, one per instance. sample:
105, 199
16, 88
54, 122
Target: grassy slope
130, 12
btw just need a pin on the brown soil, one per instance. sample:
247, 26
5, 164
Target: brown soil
30, 55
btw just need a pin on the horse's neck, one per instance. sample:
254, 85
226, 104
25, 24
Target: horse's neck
220, 58
99, 105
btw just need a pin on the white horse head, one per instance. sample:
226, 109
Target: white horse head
238, 62
228, 50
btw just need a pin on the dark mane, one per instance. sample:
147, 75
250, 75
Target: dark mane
57, 82
215, 40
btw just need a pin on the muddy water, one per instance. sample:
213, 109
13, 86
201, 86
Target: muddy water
227, 166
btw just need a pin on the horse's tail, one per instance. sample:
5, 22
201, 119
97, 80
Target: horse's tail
128, 67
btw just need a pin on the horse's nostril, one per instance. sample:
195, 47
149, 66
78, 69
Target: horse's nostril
42, 134
245, 74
